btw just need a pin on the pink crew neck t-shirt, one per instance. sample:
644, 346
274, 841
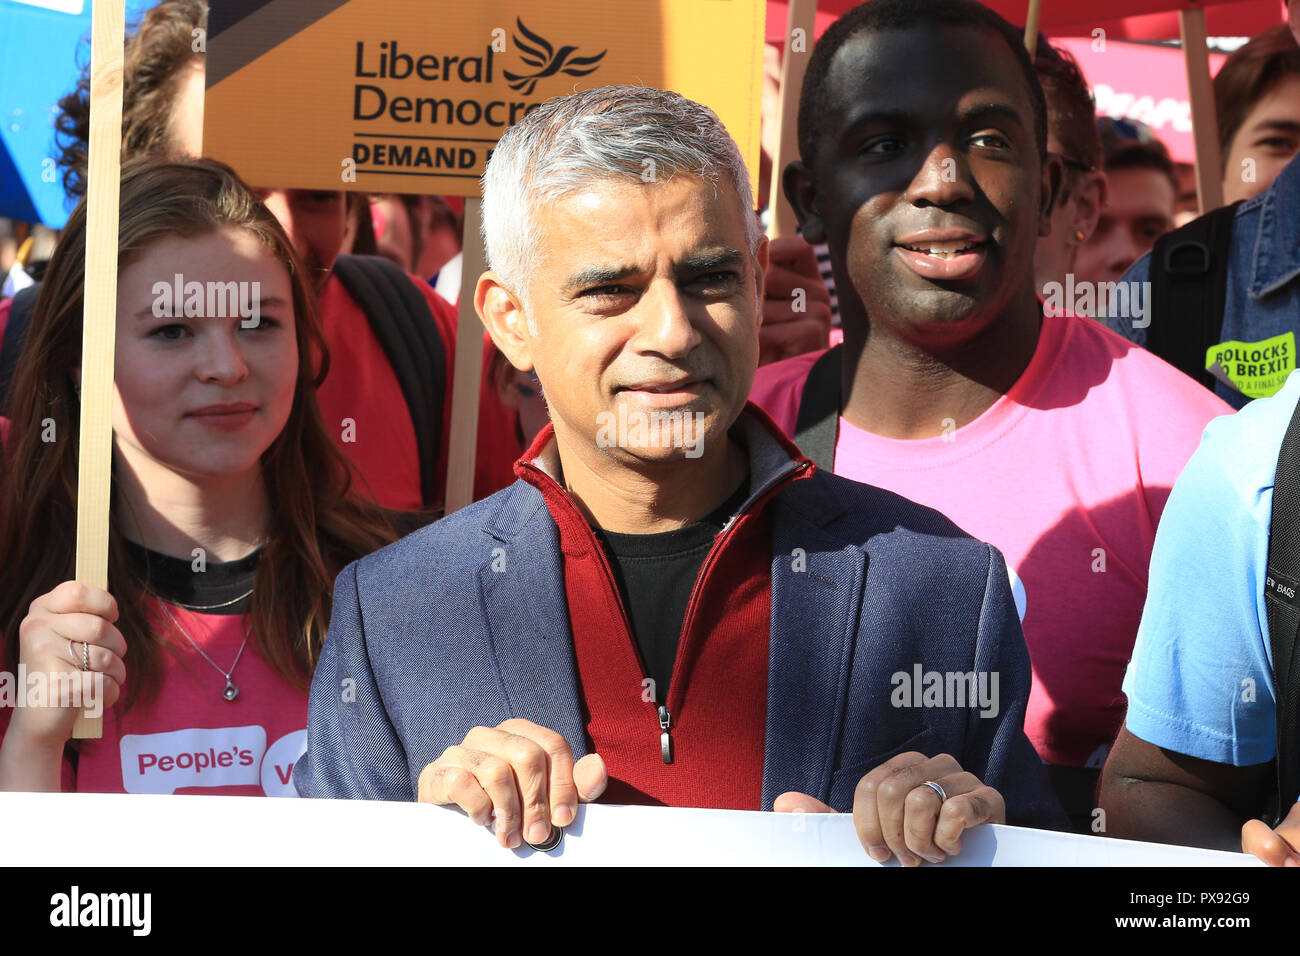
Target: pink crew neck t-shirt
191, 739
1066, 474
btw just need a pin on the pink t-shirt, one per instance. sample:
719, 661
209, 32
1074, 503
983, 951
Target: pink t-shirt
1066, 475
190, 739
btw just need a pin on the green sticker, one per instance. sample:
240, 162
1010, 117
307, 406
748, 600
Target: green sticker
1256, 369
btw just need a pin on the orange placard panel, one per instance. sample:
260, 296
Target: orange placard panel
410, 96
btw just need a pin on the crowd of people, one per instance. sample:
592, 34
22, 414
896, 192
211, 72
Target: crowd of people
912, 515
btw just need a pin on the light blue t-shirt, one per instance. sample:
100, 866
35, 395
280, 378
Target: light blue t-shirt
1201, 678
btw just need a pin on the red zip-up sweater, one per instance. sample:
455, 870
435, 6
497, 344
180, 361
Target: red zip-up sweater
717, 697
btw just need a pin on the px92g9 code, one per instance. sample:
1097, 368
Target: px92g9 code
1241, 897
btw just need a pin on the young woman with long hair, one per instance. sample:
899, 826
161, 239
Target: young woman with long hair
231, 512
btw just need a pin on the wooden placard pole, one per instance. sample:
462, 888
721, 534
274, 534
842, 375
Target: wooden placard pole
1205, 126
99, 318
794, 63
467, 377
1031, 27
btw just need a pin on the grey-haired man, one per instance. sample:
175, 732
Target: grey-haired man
671, 605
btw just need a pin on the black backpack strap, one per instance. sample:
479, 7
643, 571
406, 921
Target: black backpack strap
1189, 287
817, 425
1282, 598
11, 347
404, 324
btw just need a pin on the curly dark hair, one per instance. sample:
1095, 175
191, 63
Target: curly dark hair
1071, 113
157, 49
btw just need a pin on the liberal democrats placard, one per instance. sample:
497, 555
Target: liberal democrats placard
411, 96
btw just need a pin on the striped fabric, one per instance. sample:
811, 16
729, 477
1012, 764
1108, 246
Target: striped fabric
824, 267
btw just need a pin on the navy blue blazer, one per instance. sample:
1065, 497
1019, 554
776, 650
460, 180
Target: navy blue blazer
465, 623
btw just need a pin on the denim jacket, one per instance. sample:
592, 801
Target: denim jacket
1262, 306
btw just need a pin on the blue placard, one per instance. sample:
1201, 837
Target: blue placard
43, 46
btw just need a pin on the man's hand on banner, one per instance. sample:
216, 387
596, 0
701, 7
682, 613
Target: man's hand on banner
519, 776
896, 812
1280, 847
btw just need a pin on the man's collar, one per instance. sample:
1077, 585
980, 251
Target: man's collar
1277, 241
773, 457
544, 455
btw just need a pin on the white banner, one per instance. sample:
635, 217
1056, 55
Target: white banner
161, 830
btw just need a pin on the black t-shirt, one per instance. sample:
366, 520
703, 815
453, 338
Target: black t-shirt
655, 575
214, 587
224, 587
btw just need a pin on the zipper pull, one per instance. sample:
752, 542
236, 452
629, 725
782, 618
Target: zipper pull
665, 741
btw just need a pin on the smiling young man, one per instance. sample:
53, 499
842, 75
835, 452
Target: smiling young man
922, 134
671, 605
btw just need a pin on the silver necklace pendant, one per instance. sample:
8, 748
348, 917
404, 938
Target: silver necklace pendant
231, 691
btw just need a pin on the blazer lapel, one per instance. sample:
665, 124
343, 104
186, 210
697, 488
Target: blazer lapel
817, 582
527, 617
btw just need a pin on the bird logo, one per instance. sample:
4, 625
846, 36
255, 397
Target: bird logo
547, 60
